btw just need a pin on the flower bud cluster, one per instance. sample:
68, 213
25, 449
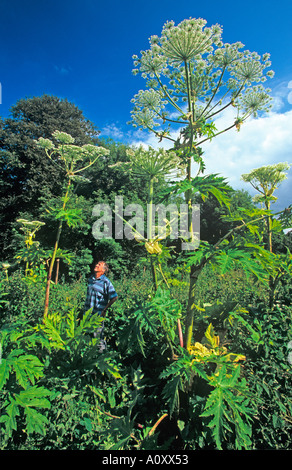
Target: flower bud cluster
190, 64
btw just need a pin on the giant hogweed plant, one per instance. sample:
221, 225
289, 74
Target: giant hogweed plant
38, 363
154, 166
73, 160
30, 253
192, 77
227, 408
266, 180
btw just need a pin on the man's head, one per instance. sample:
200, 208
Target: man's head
100, 268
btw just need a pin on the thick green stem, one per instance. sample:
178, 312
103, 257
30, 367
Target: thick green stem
150, 210
49, 277
269, 227
189, 320
272, 283
154, 275
150, 229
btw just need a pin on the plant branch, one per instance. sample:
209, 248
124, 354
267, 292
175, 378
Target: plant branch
153, 429
214, 93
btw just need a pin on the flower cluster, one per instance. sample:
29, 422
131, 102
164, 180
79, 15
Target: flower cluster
153, 163
191, 74
148, 105
256, 99
69, 154
150, 64
188, 40
250, 68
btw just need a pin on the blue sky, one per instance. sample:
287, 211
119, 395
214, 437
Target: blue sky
82, 50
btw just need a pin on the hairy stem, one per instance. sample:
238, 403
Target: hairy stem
150, 229
49, 277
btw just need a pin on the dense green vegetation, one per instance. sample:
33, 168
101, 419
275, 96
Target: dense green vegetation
199, 341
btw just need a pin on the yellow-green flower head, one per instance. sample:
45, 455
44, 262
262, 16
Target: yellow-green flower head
45, 144
63, 137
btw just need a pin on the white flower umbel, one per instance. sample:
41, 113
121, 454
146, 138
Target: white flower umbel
193, 75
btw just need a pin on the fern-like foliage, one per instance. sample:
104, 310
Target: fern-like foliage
71, 336
20, 392
69, 349
205, 186
179, 376
227, 410
228, 406
253, 259
157, 318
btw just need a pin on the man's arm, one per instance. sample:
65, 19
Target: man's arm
108, 305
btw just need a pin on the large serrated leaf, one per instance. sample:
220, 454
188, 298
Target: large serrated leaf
36, 422
4, 372
34, 397
9, 419
27, 368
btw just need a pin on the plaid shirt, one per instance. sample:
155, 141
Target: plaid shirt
99, 292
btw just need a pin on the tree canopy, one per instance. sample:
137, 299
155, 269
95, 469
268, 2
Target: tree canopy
24, 169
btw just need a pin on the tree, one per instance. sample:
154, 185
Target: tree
193, 77
23, 168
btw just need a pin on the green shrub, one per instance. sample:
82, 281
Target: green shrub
264, 335
146, 392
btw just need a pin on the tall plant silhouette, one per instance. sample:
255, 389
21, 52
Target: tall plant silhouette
152, 164
266, 180
192, 78
73, 160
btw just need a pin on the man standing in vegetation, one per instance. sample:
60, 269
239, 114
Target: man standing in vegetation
100, 296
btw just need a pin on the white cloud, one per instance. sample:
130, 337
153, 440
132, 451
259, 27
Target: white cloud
261, 141
62, 70
146, 139
113, 131
290, 94
282, 95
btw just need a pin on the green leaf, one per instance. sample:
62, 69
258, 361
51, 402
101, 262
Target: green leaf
215, 407
70, 324
171, 392
253, 259
27, 368
49, 329
204, 186
29, 399
228, 406
34, 397
70, 216
87, 423
4, 372
106, 365
9, 419
35, 422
